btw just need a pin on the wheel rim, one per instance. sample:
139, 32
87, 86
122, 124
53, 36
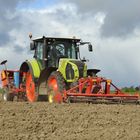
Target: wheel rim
50, 98
30, 88
53, 92
4, 97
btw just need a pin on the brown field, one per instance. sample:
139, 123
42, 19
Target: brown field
44, 121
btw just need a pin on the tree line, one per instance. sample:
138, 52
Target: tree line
131, 89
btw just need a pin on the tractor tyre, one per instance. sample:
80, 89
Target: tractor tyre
31, 93
7, 96
55, 87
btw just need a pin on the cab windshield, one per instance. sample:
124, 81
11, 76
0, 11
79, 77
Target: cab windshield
55, 51
64, 49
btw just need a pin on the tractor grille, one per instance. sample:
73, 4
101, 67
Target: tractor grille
80, 66
69, 72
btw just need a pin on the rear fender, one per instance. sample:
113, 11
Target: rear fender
33, 67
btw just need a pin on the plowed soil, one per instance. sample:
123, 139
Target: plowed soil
44, 121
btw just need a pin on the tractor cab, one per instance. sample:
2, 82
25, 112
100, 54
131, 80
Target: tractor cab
48, 51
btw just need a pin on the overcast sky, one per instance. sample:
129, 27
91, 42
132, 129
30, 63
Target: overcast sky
113, 27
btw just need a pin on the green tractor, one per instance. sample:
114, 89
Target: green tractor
55, 67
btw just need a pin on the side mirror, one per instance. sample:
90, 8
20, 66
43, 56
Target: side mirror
32, 46
90, 48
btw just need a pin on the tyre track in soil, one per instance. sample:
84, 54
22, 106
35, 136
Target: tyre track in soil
44, 121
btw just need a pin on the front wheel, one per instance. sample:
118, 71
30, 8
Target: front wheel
55, 87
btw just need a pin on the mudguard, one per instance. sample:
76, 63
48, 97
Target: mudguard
32, 66
35, 68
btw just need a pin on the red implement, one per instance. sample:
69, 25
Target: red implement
96, 89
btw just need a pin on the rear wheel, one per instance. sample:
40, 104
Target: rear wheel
31, 93
55, 87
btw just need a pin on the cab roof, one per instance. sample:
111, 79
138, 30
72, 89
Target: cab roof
56, 39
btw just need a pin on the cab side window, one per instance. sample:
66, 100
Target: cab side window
39, 50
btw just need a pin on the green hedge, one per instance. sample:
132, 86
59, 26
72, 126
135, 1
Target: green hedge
131, 89
1, 90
